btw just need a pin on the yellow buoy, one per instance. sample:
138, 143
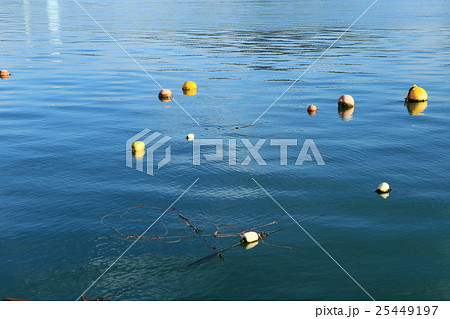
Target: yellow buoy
416, 94
190, 137
138, 146
189, 85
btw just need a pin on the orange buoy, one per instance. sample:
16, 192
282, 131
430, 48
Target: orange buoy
165, 95
346, 107
346, 101
4, 74
312, 109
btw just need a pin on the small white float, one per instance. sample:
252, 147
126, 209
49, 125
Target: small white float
249, 237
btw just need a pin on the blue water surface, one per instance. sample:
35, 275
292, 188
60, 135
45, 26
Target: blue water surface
75, 97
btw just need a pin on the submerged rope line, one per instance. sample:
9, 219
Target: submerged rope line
218, 233
198, 261
190, 224
134, 242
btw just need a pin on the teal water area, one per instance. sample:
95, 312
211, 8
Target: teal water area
74, 98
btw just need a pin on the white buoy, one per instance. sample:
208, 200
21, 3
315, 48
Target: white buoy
190, 137
249, 237
383, 188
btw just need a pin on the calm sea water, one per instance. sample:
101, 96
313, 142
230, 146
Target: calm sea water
75, 97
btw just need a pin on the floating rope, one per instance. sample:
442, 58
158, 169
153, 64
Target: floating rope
218, 231
170, 239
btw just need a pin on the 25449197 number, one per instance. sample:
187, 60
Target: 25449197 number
406, 310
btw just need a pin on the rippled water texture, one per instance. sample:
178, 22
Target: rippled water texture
75, 97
